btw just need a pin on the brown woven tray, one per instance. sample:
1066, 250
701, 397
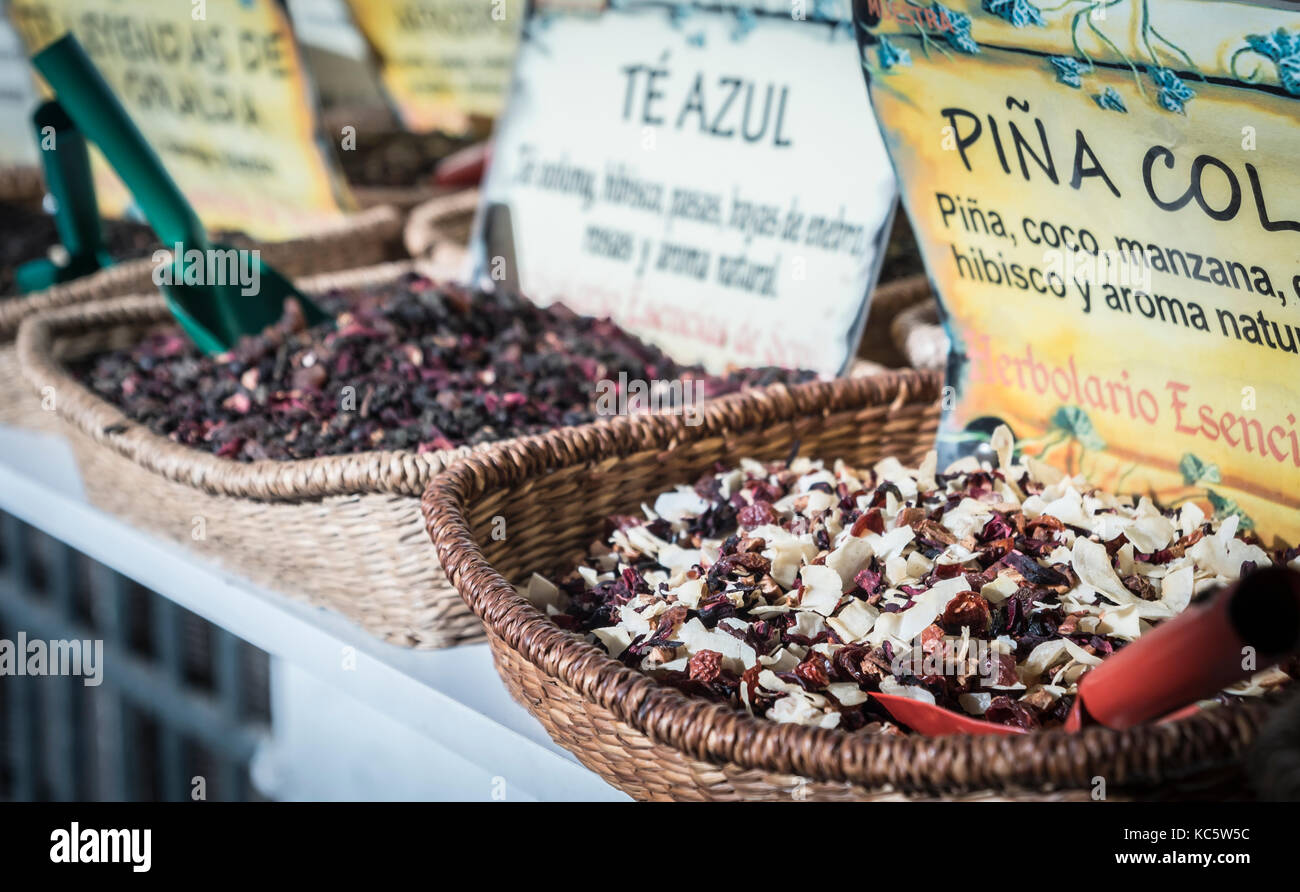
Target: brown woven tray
361, 240
342, 532
888, 301
439, 229
553, 492
919, 337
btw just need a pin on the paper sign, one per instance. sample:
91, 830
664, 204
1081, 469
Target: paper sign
712, 180
1108, 199
337, 55
445, 63
218, 90
17, 101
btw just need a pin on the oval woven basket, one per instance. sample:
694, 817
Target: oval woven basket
888, 302
340, 532
552, 494
919, 336
439, 229
360, 240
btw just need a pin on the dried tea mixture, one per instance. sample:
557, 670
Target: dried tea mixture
410, 365
793, 590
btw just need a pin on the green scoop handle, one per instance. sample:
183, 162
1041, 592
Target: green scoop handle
214, 314
66, 164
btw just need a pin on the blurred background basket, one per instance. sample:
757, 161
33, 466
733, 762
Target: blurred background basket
361, 240
341, 532
919, 336
439, 229
553, 494
22, 183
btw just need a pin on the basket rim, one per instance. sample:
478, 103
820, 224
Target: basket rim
382, 222
402, 472
423, 232
717, 734
21, 182
399, 472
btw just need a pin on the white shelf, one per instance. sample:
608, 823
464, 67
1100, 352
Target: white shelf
449, 711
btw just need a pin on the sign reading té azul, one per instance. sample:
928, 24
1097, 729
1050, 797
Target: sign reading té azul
711, 179
1108, 199
219, 91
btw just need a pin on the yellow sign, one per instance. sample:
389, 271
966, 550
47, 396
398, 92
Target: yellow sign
1108, 200
218, 89
445, 63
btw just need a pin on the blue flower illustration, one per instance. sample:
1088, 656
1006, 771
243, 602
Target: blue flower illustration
1174, 94
746, 21
958, 33
1283, 50
1017, 12
891, 56
1110, 100
1067, 70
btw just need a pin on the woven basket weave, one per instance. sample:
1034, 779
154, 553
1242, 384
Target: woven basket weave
341, 532
919, 337
888, 301
440, 229
653, 742
361, 240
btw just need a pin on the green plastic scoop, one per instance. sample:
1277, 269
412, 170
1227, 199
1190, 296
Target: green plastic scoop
76, 217
213, 313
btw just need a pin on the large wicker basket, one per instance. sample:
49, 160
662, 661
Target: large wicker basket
440, 229
361, 240
651, 741
342, 532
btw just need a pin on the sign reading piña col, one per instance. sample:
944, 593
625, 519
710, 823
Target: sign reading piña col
1106, 198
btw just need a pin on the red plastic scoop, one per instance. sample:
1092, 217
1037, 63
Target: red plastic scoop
1192, 656
463, 168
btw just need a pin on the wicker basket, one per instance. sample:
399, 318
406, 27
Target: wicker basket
920, 337
440, 229
652, 741
888, 301
341, 532
361, 240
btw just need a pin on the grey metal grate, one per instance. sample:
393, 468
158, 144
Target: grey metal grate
180, 698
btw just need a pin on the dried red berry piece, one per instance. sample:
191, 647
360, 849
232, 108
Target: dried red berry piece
756, 515
1016, 713
967, 609
704, 665
870, 521
814, 671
